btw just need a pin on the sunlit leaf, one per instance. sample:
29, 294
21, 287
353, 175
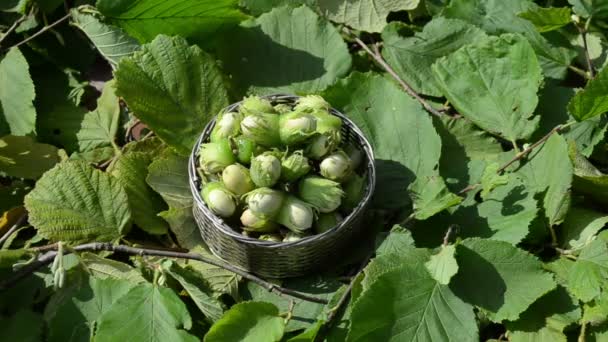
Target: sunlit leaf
75, 202
172, 87
364, 15
17, 112
156, 312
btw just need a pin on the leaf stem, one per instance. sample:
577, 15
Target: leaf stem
448, 234
515, 147
48, 257
567, 253
553, 235
377, 56
117, 150
581, 336
579, 71
44, 29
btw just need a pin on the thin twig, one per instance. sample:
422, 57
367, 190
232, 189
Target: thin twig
14, 228
106, 163
346, 295
377, 56
520, 155
12, 28
583, 32
148, 135
529, 149
102, 246
45, 248
44, 29
468, 188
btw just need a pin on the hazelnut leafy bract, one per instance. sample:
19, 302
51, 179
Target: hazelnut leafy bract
135, 135
287, 184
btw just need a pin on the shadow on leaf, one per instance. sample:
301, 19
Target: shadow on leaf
556, 302
477, 281
255, 60
509, 204
454, 162
392, 181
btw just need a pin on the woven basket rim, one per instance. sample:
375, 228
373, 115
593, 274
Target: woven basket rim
227, 230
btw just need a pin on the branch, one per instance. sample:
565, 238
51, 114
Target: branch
408, 89
46, 248
521, 154
583, 32
16, 226
47, 258
13, 27
44, 29
525, 152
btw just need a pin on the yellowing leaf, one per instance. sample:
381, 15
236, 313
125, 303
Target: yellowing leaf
10, 217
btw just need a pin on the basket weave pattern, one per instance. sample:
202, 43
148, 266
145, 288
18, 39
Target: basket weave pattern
283, 259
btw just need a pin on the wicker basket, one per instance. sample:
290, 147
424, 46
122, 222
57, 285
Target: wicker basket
281, 259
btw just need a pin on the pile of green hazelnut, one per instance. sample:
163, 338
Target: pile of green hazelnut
280, 173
